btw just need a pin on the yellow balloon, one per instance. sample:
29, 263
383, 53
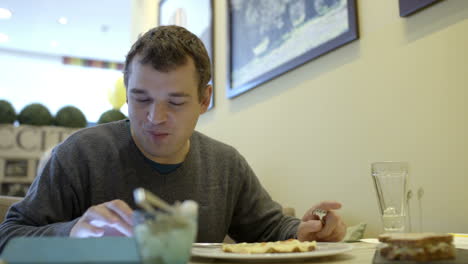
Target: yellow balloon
116, 95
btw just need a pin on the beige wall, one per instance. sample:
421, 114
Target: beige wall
397, 93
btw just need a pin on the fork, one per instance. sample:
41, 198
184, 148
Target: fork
147, 200
321, 213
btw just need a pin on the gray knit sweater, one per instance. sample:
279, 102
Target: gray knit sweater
102, 163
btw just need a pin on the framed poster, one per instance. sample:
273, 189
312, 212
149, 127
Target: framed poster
269, 38
197, 17
408, 7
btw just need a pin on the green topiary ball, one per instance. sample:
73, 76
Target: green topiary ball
7, 113
111, 115
36, 115
70, 116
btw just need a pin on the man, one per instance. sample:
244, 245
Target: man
85, 189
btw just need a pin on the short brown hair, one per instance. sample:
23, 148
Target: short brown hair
166, 48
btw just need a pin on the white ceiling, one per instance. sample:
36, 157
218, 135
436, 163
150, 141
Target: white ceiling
96, 29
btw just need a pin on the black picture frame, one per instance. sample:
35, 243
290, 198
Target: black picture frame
197, 17
409, 7
269, 38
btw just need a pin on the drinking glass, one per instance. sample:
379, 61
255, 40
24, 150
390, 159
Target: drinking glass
390, 179
164, 238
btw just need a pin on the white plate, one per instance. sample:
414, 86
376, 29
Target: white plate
323, 249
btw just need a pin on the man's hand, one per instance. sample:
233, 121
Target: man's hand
113, 218
311, 228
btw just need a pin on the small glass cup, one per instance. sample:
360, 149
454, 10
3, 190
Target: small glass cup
390, 179
164, 238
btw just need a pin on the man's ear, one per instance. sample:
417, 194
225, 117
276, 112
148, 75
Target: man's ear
206, 98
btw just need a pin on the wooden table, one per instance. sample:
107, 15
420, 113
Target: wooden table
361, 253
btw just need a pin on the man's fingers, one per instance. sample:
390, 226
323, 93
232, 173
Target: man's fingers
325, 205
329, 205
331, 223
122, 227
111, 218
312, 226
101, 216
102, 213
333, 228
122, 209
337, 235
95, 231
88, 230
306, 230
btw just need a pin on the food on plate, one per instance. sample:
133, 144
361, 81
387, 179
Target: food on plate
417, 246
285, 246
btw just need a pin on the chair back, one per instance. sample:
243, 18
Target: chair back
5, 203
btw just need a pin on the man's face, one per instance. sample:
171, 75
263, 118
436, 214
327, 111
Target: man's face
163, 109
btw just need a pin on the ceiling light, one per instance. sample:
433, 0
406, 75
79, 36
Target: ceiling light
4, 38
5, 13
63, 20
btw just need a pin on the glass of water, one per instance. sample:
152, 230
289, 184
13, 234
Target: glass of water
390, 179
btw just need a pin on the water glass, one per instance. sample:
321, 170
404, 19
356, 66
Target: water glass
390, 179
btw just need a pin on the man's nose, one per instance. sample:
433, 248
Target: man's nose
157, 113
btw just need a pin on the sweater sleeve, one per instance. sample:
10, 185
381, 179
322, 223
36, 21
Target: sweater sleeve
50, 207
256, 216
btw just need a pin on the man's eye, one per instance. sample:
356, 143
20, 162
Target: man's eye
176, 103
142, 100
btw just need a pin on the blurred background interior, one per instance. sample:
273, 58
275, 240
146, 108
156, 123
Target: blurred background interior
45, 44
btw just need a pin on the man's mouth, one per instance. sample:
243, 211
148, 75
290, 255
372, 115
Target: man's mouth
158, 135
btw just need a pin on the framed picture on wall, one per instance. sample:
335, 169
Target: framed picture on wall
408, 7
197, 17
269, 38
